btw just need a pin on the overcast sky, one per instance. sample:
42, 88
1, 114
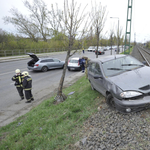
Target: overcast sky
115, 8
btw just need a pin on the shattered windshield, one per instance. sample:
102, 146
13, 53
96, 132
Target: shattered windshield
120, 65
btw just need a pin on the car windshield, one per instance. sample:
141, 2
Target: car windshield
120, 65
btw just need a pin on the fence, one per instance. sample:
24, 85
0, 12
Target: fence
18, 52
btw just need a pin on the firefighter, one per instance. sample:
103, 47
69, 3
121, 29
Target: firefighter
27, 86
18, 82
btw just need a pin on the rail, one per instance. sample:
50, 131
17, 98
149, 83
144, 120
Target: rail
145, 54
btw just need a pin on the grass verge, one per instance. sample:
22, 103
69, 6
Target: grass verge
49, 126
128, 51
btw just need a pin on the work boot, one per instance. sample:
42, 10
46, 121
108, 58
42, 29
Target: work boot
21, 98
28, 102
32, 99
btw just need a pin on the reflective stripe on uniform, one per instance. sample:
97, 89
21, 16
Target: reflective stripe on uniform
29, 79
18, 85
27, 89
19, 79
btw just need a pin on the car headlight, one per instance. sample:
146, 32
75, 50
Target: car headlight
129, 94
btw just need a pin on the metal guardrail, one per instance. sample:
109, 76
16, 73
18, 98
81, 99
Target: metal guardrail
18, 52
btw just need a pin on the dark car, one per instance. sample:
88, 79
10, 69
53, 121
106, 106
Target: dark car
100, 51
123, 80
43, 64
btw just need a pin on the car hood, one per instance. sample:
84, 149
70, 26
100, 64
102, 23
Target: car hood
138, 79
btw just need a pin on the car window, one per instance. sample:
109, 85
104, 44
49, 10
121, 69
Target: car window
43, 61
94, 68
50, 60
91, 67
73, 61
56, 60
97, 69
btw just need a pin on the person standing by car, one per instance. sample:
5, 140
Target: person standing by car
83, 64
27, 86
18, 82
83, 50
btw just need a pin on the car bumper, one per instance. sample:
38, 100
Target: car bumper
74, 68
34, 68
127, 106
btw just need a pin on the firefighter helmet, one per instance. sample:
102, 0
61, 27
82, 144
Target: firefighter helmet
17, 70
25, 73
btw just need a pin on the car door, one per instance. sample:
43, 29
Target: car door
50, 63
99, 80
91, 67
57, 63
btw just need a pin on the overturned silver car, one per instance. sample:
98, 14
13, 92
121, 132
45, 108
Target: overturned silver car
123, 80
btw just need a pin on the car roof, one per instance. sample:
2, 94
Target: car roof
75, 58
107, 58
42, 58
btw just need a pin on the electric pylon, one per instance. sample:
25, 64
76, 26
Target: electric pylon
128, 26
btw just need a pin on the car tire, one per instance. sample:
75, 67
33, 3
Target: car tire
110, 101
44, 69
92, 87
68, 69
62, 66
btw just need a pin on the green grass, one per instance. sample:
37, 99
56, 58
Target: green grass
128, 51
49, 126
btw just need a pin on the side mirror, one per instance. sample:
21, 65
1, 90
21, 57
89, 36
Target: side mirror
98, 76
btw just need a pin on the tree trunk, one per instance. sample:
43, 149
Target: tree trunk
60, 96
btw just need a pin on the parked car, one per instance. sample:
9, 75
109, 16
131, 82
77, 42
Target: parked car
91, 48
73, 64
43, 64
100, 51
123, 80
105, 48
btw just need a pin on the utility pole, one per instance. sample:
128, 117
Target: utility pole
134, 39
128, 25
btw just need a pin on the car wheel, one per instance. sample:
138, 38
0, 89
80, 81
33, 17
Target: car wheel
68, 69
62, 66
44, 69
92, 87
110, 101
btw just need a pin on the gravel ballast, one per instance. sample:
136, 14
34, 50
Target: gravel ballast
111, 130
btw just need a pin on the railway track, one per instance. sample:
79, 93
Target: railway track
141, 54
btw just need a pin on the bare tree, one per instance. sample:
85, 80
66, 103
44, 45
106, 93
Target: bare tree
35, 24
121, 37
72, 20
111, 34
55, 18
39, 14
22, 23
119, 34
98, 19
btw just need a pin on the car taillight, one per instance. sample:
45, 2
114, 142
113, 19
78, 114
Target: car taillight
36, 65
78, 63
68, 61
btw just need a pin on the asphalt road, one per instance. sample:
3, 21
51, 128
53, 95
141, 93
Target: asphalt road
42, 81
